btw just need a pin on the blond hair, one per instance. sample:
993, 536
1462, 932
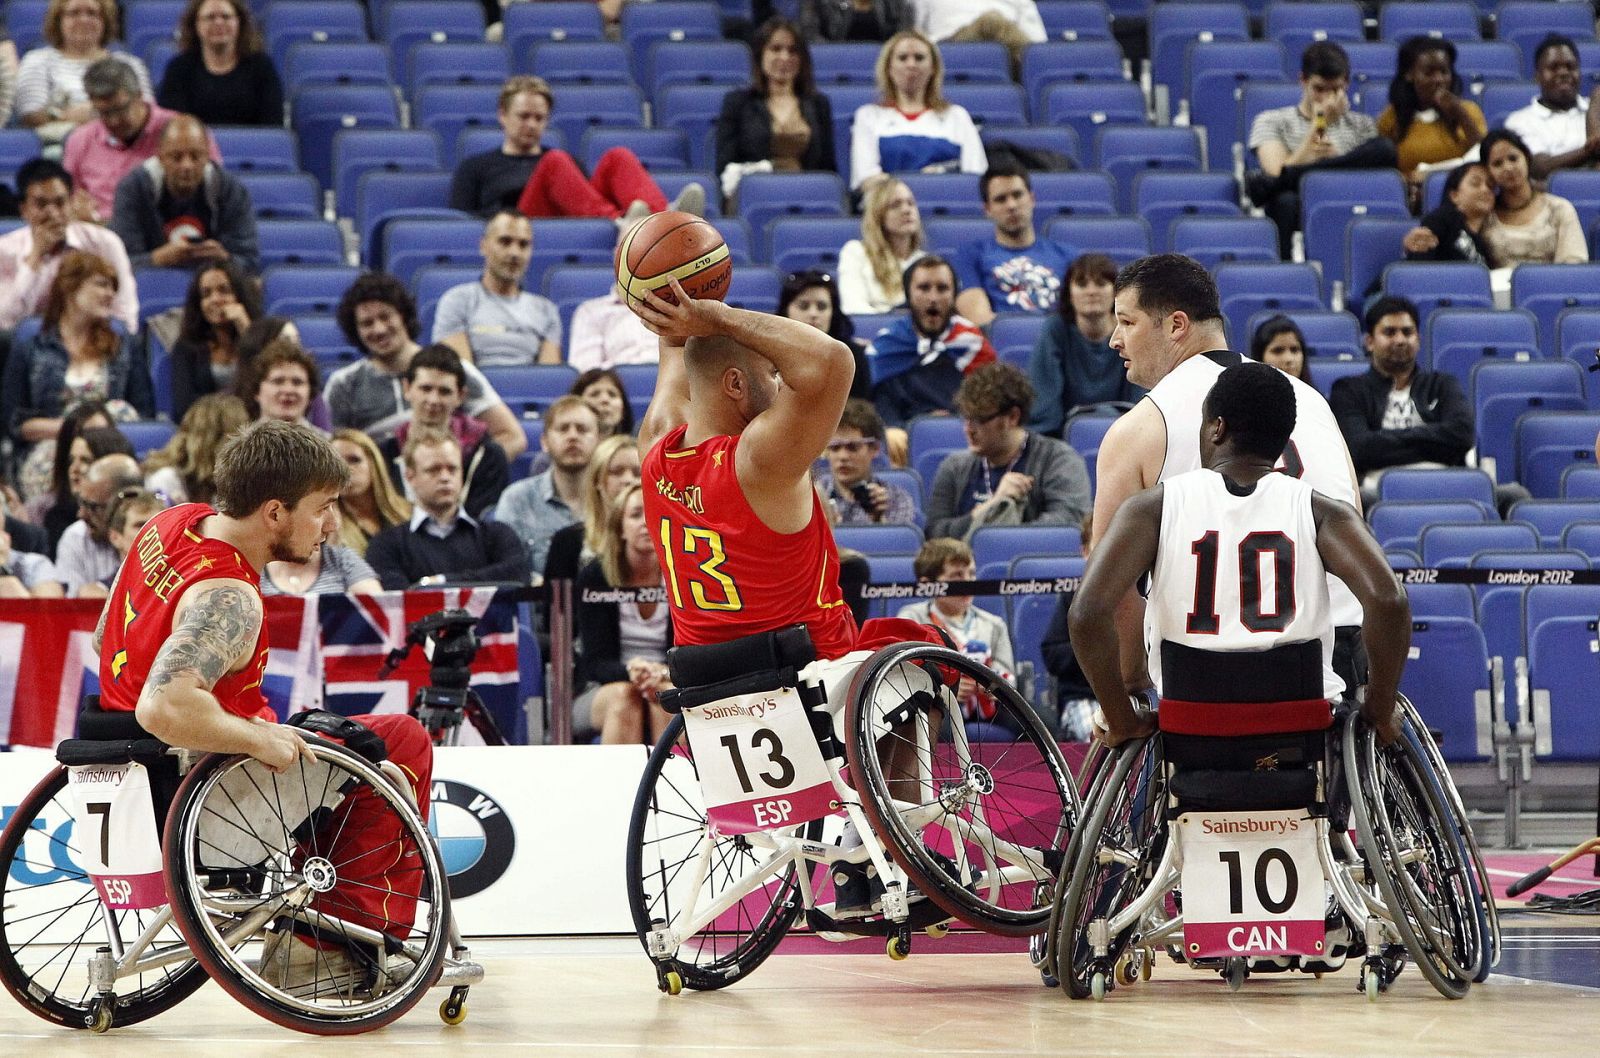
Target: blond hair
880, 254
596, 505
613, 561
521, 83
392, 507
932, 96
57, 10
192, 452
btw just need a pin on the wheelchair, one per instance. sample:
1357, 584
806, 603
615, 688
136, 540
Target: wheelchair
741, 799
134, 872
1233, 852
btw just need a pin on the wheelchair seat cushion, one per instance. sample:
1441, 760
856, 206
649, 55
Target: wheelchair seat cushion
1205, 790
780, 648
107, 725
76, 752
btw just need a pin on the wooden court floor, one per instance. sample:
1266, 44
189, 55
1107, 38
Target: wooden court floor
597, 997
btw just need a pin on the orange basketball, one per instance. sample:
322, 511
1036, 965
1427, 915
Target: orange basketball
672, 245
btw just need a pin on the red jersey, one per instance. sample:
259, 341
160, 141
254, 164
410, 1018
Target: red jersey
729, 575
168, 558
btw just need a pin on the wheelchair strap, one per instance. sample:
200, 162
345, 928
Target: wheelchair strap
680, 698
1181, 717
354, 735
77, 752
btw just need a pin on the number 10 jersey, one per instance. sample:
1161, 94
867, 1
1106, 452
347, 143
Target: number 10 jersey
1238, 571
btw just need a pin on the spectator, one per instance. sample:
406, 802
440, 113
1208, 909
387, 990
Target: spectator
1072, 688
871, 267
601, 389
1280, 343
523, 176
221, 304
912, 128
185, 469
1527, 225
75, 356
1319, 132
8, 77
130, 509
222, 73
31, 255
443, 544
126, 133
379, 317
370, 503
434, 384
333, 569
813, 297
1454, 230
262, 333
85, 556
976, 632
623, 659
538, 506
51, 98
494, 322
278, 383
55, 506
838, 21
612, 470
780, 121
1014, 23
1426, 119
1012, 270
605, 333
1010, 476
25, 574
1555, 124
857, 496
917, 362
1397, 414
178, 210
1072, 363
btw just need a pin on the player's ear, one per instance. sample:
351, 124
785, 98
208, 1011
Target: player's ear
1178, 325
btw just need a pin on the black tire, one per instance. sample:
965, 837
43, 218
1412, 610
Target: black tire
664, 832
51, 921
277, 850
1032, 804
1413, 858
1125, 818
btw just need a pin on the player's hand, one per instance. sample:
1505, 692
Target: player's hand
1420, 240
689, 318
1384, 718
279, 746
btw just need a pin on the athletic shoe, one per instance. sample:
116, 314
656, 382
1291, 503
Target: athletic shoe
692, 199
857, 892
637, 210
306, 971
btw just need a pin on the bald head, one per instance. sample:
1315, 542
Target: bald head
183, 151
106, 477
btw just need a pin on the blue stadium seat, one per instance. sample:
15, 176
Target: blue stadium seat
699, 62
1460, 339
945, 194
1563, 670
1071, 20
1580, 483
1371, 245
1584, 537
528, 24
798, 243
1325, 372
576, 62
890, 569
1125, 152
1085, 432
975, 62
735, 232
879, 539
283, 195
144, 21
694, 109
1123, 239
455, 62
1016, 332
926, 464
1547, 289
1497, 417
1433, 285
357, 152
146, 435
1399, 525
1061, 139
1441, 600
1003, 543
1328, 334
1223, 240
161, 288
343, 62
1488, 61
562, 242
286, 22
1172, 27
1162, 198
1402, 559
413, 243
18, 146
1494, 378
316, 242
1372, 65
1581, 187
249, 149
322, 338
755, 288
1550, 441
928, 432
1330, 199
1082, 60
534, 384
321, 111
948, 234
405, 24
1451, 19
1030, 621
1218, 73
843, 62
1258, 97
25, 24
571, 287
289, 290
1577, 335
1454, 544
764, 197
673, 181
1526, 22
656, 148
1551, 517
382, 195
1500, 98
998, 104
1447, 678
1088, 194
585, 107
1248, 288
1087, 108
1295, 25
449, 108
1500, 616
645, 25
1437, 485
429, 284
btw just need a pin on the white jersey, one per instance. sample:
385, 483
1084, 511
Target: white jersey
1316, 453
1238, 572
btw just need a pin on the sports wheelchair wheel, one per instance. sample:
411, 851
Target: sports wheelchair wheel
1416, 859
983, 823
52, 921
335, 859
669, 838
1489, 915
1110, 862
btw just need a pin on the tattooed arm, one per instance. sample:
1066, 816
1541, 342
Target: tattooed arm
213, 633
100, 627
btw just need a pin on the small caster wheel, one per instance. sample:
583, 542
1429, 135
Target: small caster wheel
1097, 984
1236, 973
1147, 965
938, 931
897, 948
670, 982
98, 1018
1370, 983
1048, 979
1127, 972
452, 1012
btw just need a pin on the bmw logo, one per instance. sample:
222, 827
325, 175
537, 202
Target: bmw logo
476, 839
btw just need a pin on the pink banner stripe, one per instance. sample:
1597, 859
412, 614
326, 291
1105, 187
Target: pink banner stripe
1207, 940
131, 891
769, 813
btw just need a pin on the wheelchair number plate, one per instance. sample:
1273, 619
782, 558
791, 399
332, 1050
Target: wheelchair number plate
759, 763
1252, 884
116, 833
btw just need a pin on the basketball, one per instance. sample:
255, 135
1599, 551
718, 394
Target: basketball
672, 245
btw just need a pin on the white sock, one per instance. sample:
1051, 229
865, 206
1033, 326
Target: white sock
851, 837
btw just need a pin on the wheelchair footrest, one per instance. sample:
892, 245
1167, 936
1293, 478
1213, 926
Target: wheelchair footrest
924, 913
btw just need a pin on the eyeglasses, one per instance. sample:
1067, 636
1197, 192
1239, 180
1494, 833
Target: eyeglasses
853, 447
101, 505
810, 278
984, 420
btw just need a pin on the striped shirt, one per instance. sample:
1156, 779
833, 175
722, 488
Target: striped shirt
49, 78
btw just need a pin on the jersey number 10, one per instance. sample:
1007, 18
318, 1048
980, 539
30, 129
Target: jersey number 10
1254, 612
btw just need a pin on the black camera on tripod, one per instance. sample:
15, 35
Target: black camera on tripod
450, 644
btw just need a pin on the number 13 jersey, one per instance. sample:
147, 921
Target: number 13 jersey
727, 573
1238, 571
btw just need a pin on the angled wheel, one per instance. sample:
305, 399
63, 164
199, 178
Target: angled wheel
669, 838
52, 920
978, 826
1110, 863
1415, 858
330, 855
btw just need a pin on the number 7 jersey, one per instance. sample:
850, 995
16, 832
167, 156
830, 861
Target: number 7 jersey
727, 573
1238, 572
